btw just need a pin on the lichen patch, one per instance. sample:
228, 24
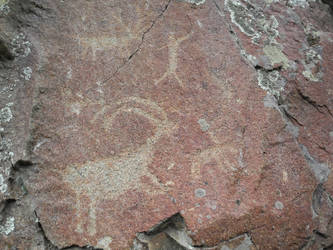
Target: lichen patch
5, 114
276, 56
8, 227
204, 126
271, 81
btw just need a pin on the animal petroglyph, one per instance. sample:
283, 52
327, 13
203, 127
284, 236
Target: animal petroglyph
224, 156
110, 177
95, 44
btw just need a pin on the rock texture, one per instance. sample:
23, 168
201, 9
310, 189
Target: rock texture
166, 124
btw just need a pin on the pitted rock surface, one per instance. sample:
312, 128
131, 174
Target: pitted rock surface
219, 112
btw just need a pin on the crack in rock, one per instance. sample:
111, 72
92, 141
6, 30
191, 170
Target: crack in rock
140, 44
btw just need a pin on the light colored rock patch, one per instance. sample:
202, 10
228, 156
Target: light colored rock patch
246, 244
200, 193
76, 108
6, 154
3, 185
320, 170
8, 227
241, 17
250, 58
331, 134
104, 243
276, 56
279, 205
271, 1
21, 46
69, 73
27, 72
211, 204
312, 66
204, 126
137, 245
299, 3
199, 23
252, 21
4, 7
6, 114
196, 2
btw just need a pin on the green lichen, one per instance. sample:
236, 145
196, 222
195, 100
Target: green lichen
271, 81
5, 115
312, 65
310, 76
203, 125
4, 6
3, 2
241, 17
196, 2
252, 21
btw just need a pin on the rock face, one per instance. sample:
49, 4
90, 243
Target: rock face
166, 124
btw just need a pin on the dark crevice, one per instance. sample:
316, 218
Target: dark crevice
22, 164
161, 226
48, 243
313, 103
322, 235
76, 247
330, 3
330, 247
6, 205
5, 54
175, 228
322, 148
24, 13
259, 67
317, 198
218, 7
39, 6
171, 227
290, 117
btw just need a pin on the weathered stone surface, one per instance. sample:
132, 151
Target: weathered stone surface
133, 111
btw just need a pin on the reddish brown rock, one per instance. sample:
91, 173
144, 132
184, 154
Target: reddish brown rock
220, 111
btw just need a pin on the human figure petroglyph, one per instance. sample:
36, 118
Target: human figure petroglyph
173, 46
109, 177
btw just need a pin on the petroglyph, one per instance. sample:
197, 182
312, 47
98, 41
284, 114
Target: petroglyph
219, 155
96, 44
173, 47
110, 177
91, 46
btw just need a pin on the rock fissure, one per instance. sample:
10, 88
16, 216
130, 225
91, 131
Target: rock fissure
140, 44
314, 104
